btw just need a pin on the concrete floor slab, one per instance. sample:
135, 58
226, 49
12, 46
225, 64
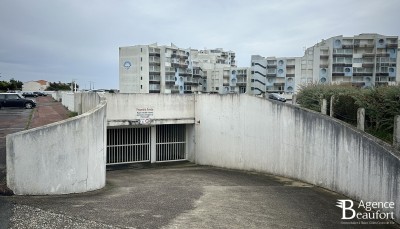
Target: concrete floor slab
185, 195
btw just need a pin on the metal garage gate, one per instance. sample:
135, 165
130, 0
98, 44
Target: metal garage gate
150, 144
128, 145
170, 144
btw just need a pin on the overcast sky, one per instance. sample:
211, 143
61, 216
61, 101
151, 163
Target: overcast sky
61, 40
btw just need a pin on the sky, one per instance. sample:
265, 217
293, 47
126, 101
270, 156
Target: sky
67, 40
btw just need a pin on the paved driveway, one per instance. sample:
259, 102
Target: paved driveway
183, 196
11, 120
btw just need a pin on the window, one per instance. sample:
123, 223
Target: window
141, 59
12, 97
217, 88
141, 86
242, 89
141, 68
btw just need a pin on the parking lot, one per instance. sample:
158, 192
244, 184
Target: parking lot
11, 120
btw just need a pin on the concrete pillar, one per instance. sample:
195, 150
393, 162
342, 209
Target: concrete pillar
153, 140
331, 112
323, 106
396, 132
360, 118
294, 97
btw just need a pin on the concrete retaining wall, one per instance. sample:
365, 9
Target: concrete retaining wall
64, 157
67, 99
249, 133
80, 102
123, 109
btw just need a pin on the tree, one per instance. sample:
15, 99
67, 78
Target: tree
11, 85
59, 86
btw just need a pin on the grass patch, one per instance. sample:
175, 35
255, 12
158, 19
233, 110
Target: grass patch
28, 124
72, 114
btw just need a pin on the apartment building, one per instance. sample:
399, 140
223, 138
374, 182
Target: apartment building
274, 74
364, 60
170, 69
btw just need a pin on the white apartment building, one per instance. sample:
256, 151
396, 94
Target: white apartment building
273, 74
169, 69
365, 60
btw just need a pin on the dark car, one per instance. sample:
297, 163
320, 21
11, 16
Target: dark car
39, 93
29, 94
15, 100
276, 96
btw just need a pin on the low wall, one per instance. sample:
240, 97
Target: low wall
67, 99
64, 157
250, 133
80, 102
123, 109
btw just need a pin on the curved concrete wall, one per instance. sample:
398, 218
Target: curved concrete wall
64, 157
250, 133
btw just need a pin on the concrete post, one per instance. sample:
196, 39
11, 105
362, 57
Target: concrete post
360, 118
331, 106
153, 149
294, 97
396, 132
323, 106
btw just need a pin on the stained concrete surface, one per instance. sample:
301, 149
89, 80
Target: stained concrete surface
17, 119
184, 195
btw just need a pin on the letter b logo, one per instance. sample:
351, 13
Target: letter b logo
345, 208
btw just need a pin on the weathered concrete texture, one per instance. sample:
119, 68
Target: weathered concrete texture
360, 118
80, 102
11, 120
396, 132
250, 133
185, 196
63, 157
168, 108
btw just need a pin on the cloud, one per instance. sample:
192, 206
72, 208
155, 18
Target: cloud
61, 40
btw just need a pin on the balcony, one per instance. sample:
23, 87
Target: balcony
170, 79
154, 78
392, 45
154, 87
154, 52
154, 69
383, 54
169, 70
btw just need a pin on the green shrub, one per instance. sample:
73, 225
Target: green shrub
381, 105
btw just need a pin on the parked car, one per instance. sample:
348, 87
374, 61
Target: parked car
29, 94
39, 93
276, 96
15, 100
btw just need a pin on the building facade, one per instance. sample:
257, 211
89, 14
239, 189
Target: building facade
364, 60
39, 85
170, 69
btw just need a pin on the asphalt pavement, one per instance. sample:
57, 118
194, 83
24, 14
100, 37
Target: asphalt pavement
183, 195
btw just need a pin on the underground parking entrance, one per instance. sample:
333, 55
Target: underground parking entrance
136, 144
